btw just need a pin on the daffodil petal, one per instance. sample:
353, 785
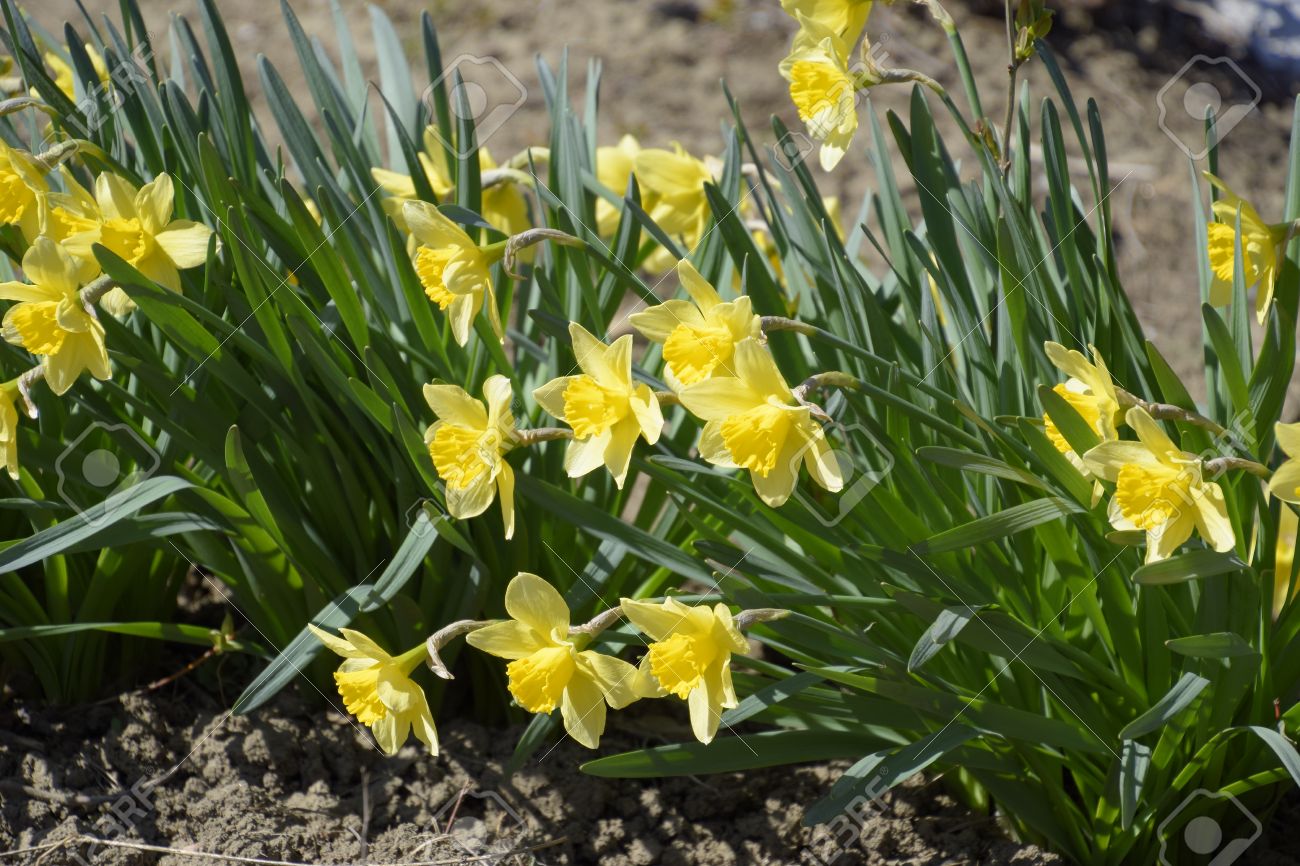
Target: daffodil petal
533, 601
510, 639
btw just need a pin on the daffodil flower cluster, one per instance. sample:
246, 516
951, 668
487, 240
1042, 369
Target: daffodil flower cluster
550, 664
54, 311
716, 359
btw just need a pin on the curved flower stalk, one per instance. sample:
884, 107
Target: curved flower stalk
1160, 489
700, 335
690, 656
468, 444
676, 179
1262, 246
504, 205
453, 269
753, 421
605, 408
1285, 483
9, 427
377, 688
21, 182
549, 666
1090, 391
51, 320
137, 225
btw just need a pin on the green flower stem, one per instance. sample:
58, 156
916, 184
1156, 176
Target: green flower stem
532, 237
445, 635
90, 295
899, 76
598, 623
780, 323
844, 380
496, 176
748, 618
18, 103
526, 438
1219, 465
1169, 412
49, 160
1013, 67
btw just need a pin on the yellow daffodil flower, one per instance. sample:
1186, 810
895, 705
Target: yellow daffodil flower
63, 75
504, 205
468, 445
1159, 489
691, 656
845, 18
614, 165
377, 688
1285, 483
21, 182
823, 89
1262, 245
752, 421
549, 667
137, 225
700, 335
1090, 391
50, 319
9, 427
605, 408
453, 270
676, 180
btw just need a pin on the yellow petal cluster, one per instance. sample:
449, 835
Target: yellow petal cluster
1160, 490
9, 427
468, 444
752, 421
690, 656
699, 336
549, 666
1262, 246
452, 269
377, 688
605, 408
21, 185
51, 321
1090, 391
138, 226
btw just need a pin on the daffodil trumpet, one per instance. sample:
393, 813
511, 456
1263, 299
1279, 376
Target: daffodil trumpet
525, 239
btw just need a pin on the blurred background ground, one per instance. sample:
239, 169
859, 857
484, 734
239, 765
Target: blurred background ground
663, 62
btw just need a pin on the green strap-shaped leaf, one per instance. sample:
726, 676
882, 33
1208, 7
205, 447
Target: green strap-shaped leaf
1174, 702
1134, 761
339, 612
946, 626
1018, 518
1218, 645
94, 521
730, 754
877, 773
1189, 566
